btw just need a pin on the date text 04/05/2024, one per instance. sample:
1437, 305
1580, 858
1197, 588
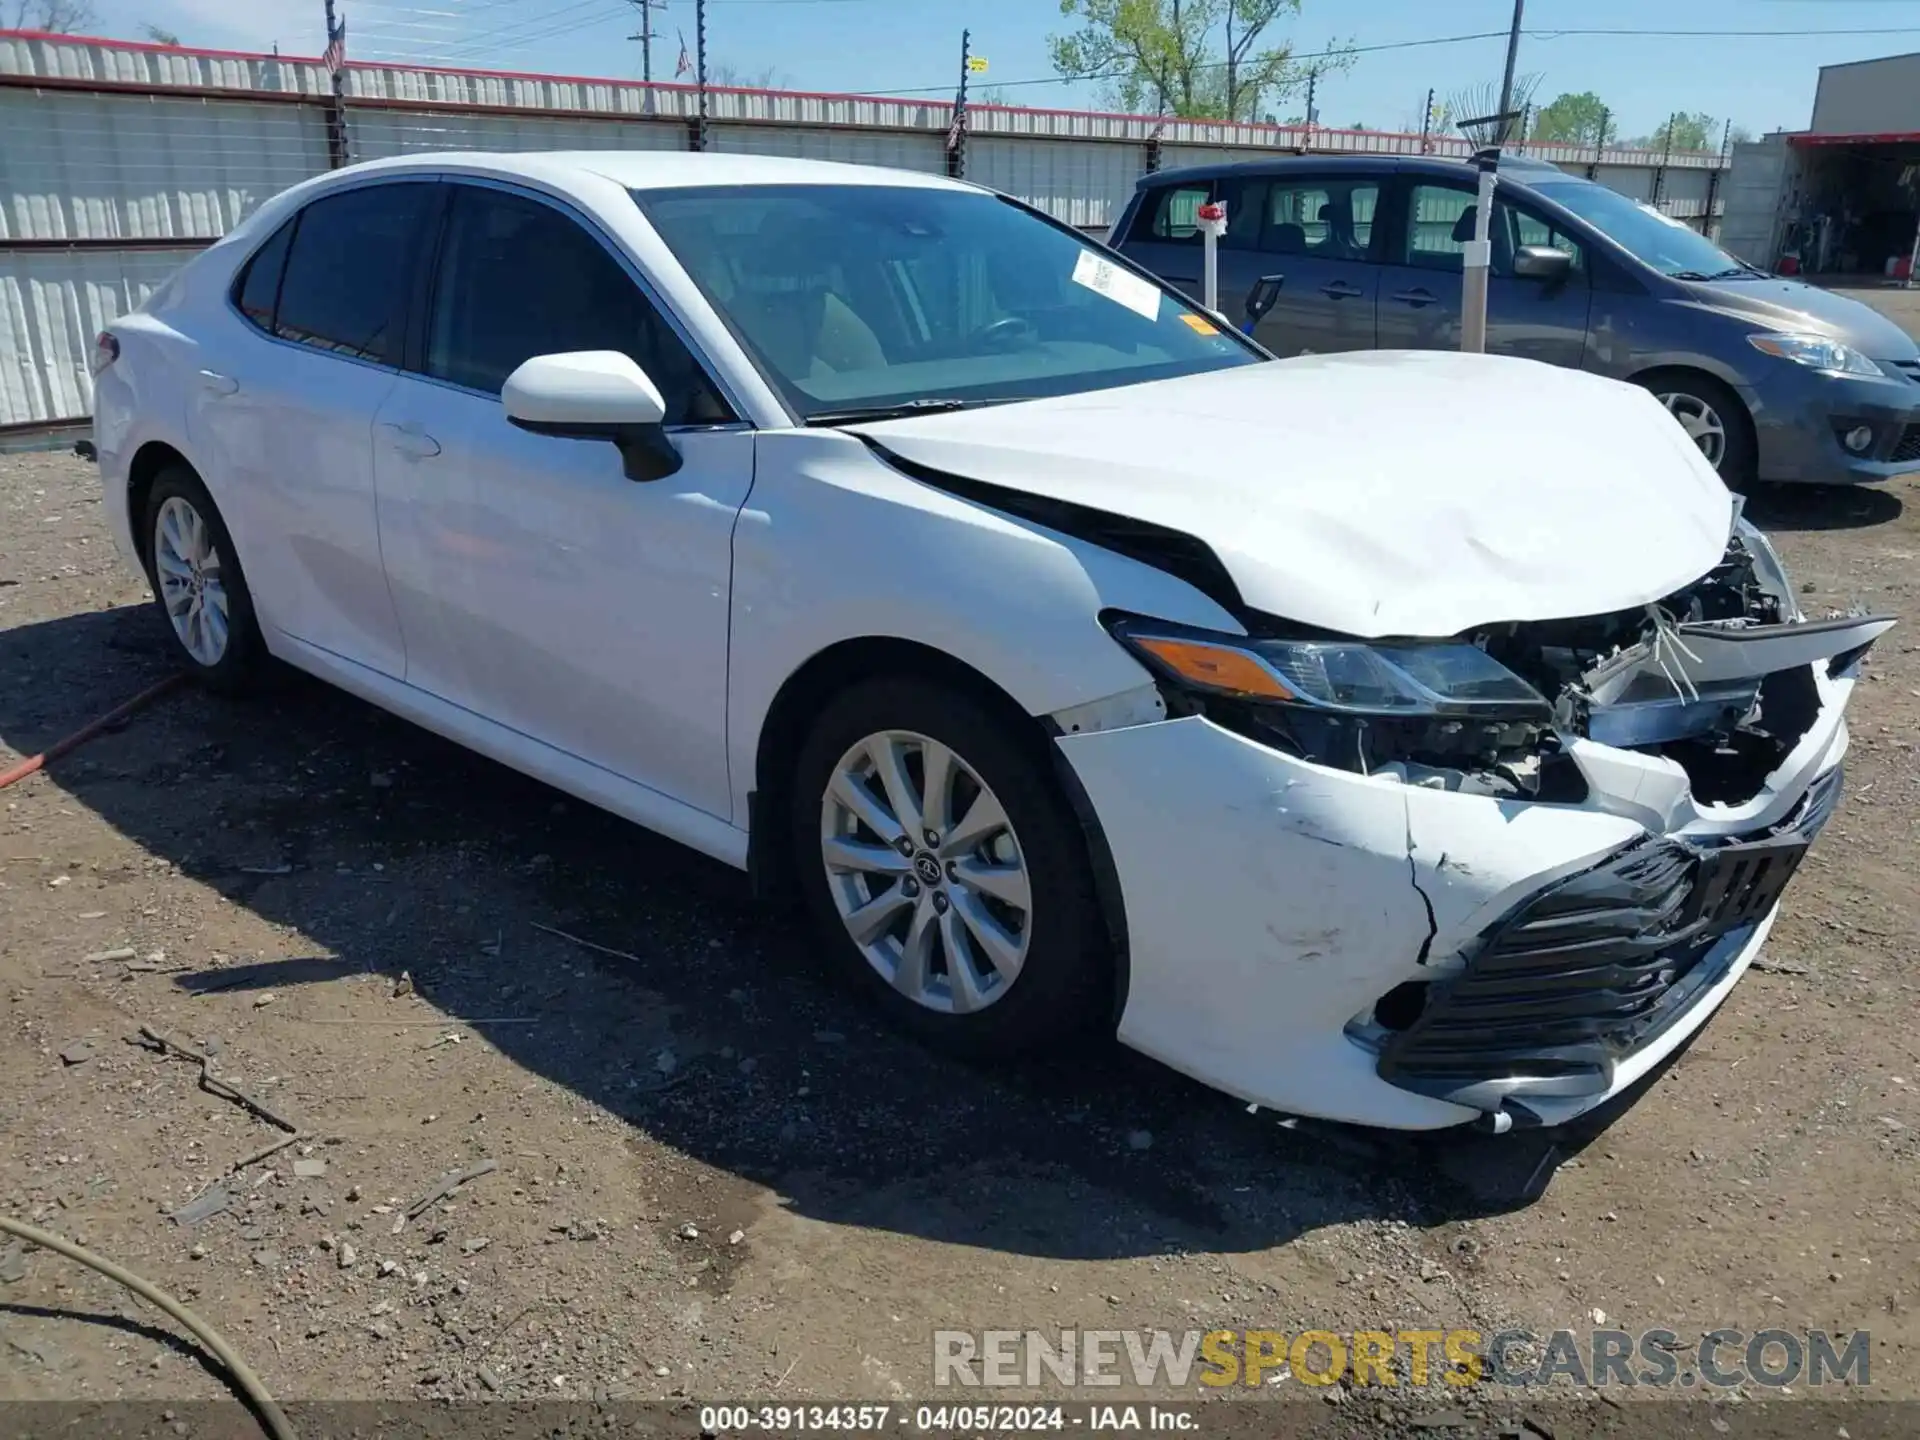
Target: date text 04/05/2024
942, 1419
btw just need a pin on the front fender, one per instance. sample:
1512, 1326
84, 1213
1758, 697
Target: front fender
835, 545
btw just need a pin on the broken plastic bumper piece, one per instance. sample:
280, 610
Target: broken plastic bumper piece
1596, 967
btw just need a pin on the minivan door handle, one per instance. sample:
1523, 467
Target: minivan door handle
1341, 290
410, 440
215, 383
1416, 297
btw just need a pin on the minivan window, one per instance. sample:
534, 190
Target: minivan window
1172, 213
518, 278
1664, 243
346, 279
258, 288
1321, 216
868, 295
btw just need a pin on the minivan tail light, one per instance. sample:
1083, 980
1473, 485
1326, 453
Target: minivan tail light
106, 350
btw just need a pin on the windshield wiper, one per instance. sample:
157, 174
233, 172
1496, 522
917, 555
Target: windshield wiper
1729, 273
931, 405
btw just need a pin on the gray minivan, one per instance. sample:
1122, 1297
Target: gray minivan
1774, 379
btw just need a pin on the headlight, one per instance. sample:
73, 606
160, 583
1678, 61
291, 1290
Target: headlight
1339, 677
1817, 352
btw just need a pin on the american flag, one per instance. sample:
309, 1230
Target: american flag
335, 54
684, 64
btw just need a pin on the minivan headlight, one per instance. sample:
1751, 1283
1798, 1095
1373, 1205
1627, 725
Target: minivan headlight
1817, 352
1389, 679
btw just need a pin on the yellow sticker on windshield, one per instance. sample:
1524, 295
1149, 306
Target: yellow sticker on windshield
1197, 324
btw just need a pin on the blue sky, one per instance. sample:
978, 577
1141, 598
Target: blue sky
1762, 83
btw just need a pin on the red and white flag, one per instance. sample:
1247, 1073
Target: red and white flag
335, 54
684, 64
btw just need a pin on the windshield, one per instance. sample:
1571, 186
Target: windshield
1662, 242
856, 298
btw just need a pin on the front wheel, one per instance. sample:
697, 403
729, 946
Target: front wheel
197, 578
945, 871
1713, 418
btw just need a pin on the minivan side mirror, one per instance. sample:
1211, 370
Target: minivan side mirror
594, 395
1542, 262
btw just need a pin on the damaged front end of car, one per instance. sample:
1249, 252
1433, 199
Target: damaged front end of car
1711, 718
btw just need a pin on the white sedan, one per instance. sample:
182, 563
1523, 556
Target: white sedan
1410, 739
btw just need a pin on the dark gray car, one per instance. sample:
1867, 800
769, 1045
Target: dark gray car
1774, 379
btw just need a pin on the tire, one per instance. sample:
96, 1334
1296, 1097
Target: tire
984, 1010
203, 596
1694, 398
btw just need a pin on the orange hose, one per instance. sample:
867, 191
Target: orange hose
80, 737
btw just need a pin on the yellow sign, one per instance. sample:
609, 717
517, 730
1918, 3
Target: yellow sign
977, 64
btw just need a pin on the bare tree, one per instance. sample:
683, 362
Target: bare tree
56, 17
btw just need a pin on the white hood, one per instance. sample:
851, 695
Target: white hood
1379, 493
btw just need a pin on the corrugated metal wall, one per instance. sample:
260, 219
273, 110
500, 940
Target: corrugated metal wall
107, 142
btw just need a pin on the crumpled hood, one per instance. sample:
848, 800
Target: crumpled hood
1414, 493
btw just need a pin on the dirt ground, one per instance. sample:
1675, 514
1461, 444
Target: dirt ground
717, 1177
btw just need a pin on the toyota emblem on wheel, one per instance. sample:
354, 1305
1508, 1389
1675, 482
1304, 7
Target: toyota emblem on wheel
927, 867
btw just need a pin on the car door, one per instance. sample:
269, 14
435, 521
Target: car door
281, 415
1420, 291
535, 583
1315, 262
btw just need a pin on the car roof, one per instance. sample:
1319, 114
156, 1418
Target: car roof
1518, 167
656, 169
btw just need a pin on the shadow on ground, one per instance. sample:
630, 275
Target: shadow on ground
1821, 507
395, 850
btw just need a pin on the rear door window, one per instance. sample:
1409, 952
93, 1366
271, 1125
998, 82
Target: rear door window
1172, 213
345, 286
258, 289
1321, 215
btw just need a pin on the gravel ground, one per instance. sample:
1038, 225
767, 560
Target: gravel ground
716, 1177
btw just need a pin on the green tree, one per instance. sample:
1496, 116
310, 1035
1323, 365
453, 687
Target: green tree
159, 36
1572, 119
1689, 130
1201, 59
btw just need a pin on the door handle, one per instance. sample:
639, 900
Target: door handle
215, 383
1415, 297
1341, 290
410, 440
1263, 296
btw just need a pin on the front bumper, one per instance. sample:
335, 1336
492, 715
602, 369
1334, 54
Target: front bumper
1800, 415
1271, 906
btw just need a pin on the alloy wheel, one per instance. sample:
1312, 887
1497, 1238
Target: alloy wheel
1701, 422
187, 565
926, 871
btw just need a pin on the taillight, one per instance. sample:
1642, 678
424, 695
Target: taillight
106, 350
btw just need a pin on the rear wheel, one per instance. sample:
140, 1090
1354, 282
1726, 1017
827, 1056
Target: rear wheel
1713, 417
196, 576
944, 870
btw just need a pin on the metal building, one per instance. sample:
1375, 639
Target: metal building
118, 159
1843, 195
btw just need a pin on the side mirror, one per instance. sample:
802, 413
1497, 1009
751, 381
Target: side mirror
594, 395
1542, 262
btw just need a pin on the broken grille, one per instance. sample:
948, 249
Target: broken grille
1594, 967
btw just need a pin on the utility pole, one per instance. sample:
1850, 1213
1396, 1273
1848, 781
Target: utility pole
645, 37
957, 132
1477, 263
1600, 144
1313, 111
1426, 125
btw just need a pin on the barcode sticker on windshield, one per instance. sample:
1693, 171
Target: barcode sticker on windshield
1123, 288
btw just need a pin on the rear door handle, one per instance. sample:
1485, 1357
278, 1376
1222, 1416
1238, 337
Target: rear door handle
215, 383
1416, 297
410, 440
1341, 290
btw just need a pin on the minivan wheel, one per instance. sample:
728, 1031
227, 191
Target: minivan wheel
944, 870
1713, 418
197, 579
